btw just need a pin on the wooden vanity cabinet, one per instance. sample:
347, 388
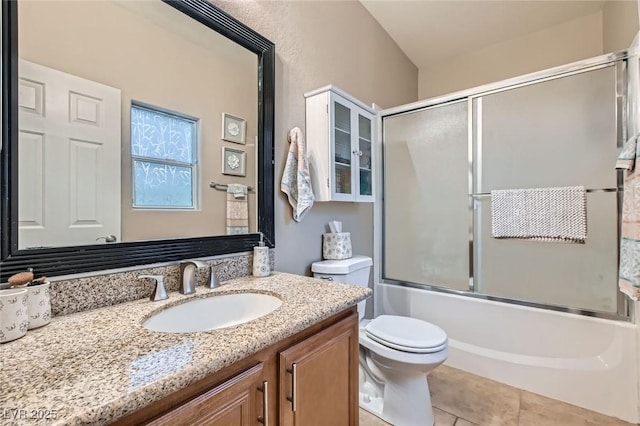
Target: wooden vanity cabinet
323, 390
319, 379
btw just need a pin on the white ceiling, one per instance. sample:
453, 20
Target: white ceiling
430, 30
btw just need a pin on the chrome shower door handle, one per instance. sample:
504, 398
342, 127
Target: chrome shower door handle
264, 419
294, 385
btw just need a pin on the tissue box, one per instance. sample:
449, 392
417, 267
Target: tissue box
336, 246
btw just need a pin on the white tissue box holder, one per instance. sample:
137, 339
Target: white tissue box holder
336, 246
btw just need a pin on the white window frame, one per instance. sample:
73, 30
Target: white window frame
195, 175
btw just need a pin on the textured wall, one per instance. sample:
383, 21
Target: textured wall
561, 44
319, 43
620, 24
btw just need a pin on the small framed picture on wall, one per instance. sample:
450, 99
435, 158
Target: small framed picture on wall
233, 161
233, 128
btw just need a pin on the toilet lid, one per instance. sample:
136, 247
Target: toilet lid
406, 334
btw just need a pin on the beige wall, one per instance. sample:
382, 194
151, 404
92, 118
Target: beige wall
620, 24
561, 44
609, 30
188, 69
318, 43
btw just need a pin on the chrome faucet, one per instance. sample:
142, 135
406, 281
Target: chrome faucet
188, 275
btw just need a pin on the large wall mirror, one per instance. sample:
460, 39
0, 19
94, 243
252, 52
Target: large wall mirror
117, 118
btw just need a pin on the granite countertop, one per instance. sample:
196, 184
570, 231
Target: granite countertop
96, 366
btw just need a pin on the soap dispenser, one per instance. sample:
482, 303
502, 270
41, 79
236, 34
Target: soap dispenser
261, 264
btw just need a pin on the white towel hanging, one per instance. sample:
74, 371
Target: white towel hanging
296, 180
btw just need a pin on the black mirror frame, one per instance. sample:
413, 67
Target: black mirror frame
81, 259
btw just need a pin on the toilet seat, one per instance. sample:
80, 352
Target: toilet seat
406, 334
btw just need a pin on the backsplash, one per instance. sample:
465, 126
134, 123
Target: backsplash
83, 294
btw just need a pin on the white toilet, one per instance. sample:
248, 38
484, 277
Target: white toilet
396, 353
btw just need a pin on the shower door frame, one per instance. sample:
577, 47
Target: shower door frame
619, 60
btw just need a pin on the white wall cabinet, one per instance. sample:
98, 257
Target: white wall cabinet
340, 146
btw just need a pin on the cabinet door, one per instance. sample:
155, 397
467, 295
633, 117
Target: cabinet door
343, 129
364, 155
319, 378
233, 403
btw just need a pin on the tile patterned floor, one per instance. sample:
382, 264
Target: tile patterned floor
464, 399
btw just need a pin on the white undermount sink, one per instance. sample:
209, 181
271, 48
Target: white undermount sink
212, 313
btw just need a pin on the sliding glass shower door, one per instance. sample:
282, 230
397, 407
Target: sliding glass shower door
426, 226
561, 132
441, 162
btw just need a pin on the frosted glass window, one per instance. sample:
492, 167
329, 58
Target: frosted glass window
162, 185
163, 149
426, 214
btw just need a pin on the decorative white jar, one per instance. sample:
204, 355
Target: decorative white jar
39, 303
14, 316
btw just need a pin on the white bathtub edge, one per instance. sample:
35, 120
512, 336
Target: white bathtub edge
605, 382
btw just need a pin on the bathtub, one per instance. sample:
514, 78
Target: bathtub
585, 361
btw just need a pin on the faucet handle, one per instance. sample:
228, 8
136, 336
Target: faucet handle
159, 292
214, 281
217, 266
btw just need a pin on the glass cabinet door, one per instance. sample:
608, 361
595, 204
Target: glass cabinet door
342, 149
364, 155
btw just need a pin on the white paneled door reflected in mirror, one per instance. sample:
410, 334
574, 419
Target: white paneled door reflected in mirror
120, 123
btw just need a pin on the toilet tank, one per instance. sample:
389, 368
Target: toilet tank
354, 270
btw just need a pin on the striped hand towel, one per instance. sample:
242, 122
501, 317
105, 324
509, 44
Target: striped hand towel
627, 158
629, 281
237, 209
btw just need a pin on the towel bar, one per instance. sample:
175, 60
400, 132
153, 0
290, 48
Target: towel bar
488, 194
223, 186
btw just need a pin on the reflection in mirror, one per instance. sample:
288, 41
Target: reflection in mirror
120, 115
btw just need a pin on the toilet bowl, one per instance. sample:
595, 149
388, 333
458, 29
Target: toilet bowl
396, 353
